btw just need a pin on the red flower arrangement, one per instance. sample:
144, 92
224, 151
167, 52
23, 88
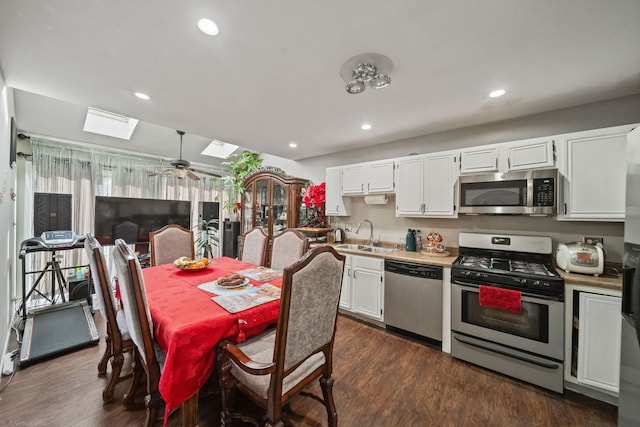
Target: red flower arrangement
314, 198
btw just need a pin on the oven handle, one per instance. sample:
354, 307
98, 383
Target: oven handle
504, 353
476, 286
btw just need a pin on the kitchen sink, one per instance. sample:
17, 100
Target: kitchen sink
363, 248
377, 250
350, 247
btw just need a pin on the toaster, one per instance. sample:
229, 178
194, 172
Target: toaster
578, 257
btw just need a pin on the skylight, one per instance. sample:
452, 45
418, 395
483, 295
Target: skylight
109, 124
219, 149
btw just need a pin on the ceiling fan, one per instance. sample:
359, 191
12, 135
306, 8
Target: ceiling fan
180, 168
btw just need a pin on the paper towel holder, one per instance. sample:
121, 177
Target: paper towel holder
376, 199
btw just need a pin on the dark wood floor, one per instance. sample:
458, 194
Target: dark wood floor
380, 380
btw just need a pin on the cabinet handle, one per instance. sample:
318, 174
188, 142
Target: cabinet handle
362, 187
565, 208
496, 162
368, 187
508, 163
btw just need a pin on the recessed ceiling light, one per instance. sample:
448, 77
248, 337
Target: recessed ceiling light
497, 93
293, 145
142, 96
207, 26
366, 126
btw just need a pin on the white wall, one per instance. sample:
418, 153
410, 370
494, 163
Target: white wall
389, 228
8, 258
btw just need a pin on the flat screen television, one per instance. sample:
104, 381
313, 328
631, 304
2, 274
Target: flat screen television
132, 219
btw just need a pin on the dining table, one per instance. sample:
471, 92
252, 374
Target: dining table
188, 324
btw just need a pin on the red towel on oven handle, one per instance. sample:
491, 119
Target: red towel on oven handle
506, 299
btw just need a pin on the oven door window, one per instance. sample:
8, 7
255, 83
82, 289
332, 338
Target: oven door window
498, 193
531, 323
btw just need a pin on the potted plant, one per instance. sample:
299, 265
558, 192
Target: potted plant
207, 232
314, 198
233, 184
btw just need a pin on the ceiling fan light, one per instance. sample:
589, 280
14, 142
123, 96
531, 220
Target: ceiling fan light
355, 87
380, 81
179, 173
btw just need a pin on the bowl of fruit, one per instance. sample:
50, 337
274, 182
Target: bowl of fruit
192, 265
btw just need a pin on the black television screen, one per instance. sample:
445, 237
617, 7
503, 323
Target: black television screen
132, 219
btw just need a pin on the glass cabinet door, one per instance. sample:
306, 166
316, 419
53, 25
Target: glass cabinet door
262, 205
247, 208
280, 200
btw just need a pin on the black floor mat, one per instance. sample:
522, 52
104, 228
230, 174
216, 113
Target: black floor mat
56, 330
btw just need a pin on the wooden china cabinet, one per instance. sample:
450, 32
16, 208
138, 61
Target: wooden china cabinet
271, 200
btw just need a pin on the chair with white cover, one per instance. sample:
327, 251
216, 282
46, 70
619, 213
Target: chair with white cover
287, 248
254, 248
274, 366
117, 339
170, 243
149, 358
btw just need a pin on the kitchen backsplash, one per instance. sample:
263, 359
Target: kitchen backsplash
389, 228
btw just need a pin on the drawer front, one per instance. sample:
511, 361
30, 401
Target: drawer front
368, 263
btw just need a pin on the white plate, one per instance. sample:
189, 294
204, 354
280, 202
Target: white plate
243, 285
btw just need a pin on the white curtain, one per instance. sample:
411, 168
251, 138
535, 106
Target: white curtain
85, 172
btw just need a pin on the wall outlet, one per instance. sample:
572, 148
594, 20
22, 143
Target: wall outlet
593, 240
347, 227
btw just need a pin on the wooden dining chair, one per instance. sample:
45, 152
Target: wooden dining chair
149, 358
254, 248
170, 243
118, 341
274, 366
287, 248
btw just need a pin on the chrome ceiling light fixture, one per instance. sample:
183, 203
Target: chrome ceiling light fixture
368, 69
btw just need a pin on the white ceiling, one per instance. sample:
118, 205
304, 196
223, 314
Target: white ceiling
272, 75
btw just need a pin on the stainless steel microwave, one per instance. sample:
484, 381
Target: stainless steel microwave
533, 192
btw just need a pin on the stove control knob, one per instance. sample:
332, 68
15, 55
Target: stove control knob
484, 275
536, 283
520, 281
465, 273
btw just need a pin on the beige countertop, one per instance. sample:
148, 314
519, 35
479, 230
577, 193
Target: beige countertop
605, 281
400, 255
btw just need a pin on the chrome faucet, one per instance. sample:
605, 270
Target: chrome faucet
371, 225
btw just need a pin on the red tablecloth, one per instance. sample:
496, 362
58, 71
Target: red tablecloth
188, 324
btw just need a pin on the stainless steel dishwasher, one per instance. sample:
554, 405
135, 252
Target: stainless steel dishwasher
413, 298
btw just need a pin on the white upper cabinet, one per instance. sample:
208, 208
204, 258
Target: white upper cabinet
441, 175
410, 190
483, 159
530, 154
379, 177
368, 178
353, 179
335, 204
533, 153
594, 167
427, 185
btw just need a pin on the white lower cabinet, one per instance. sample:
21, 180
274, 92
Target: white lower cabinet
363, 287
345, 294
592, 340
599, 341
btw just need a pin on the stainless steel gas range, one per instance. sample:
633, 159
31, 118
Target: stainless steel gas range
508, 307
